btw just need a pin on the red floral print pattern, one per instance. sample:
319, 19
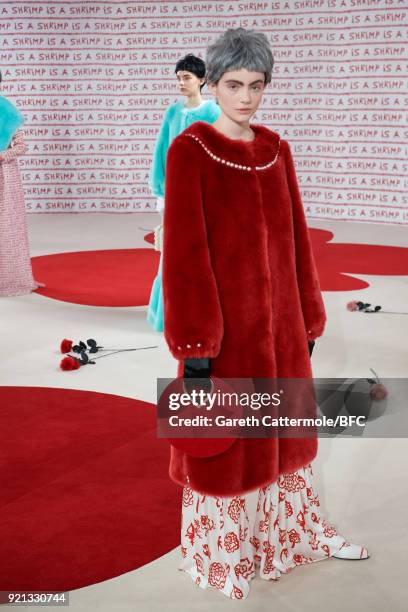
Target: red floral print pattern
269, 552
245, 568
238, 594
199, 563
206, 551
187, 497
207, 524
217, 576
289, 509
220, 550
255, 542
291, 482
243, 533
234, 509
294, 537
329, 531
231, 542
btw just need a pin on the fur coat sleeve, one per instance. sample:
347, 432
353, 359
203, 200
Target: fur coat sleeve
193, 322
314, 313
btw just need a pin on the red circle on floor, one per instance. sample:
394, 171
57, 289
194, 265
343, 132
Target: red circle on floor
85, 490
116, 277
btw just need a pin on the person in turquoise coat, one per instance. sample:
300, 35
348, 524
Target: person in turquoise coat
190, 72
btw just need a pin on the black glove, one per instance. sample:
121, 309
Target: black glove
311, 345
197, 374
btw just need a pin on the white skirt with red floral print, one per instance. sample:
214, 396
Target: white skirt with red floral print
218, 550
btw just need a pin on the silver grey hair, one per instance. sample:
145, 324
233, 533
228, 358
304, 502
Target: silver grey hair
239, 48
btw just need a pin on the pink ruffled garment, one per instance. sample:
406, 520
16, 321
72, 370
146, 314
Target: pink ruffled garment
219, 551
16, 277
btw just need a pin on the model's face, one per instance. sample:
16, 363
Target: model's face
239, 93
188, 83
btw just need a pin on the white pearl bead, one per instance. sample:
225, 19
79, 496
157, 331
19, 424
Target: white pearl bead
232, 164
188, 345
198, 344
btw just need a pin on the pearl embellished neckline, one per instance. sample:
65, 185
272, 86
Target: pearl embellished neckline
233, 164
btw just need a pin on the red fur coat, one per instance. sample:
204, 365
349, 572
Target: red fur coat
240, 286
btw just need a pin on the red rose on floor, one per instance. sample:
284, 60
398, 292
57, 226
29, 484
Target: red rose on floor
66, 345
378, 392
69, 363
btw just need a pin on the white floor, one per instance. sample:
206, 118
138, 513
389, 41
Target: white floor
362, 483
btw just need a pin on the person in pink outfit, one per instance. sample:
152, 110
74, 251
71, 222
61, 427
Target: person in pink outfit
16, 277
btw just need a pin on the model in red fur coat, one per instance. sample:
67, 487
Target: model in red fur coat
241, 293
240, 285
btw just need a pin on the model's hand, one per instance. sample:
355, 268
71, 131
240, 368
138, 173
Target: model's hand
197, 375
311, 346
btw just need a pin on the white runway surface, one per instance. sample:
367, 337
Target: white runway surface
362, 483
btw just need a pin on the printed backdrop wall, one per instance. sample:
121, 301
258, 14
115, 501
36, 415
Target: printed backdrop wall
93, 80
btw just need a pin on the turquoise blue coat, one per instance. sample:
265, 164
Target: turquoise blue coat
10, 120
176, 119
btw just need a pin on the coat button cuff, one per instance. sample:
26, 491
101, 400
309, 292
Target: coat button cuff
194, 350
189, 346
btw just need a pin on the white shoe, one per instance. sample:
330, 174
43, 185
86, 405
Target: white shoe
352, 551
